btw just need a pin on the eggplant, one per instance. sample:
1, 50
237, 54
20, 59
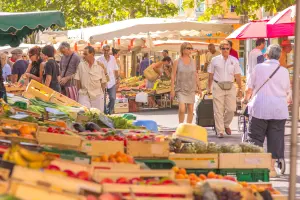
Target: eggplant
78, 127
92, 126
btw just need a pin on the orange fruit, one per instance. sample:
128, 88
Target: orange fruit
186, 176
202, 177
104, 158
175, 169
25, 130
182, 171
111, 156
193, 182
97, 159
193, 176
244, 184
211, 175
113, 160
119, 154
219, 176
119, 159
179, 176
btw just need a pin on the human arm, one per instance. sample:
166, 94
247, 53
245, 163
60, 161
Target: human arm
173, 78
211, 70
250, 87
199, 90
76, 77
15, 72
49, 72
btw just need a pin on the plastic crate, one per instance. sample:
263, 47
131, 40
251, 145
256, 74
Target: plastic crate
158, 164
201, 171
248, 175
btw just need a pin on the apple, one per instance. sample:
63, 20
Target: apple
106, 180
109, 196
130, 159
83, 175
53, 167
70, 173
122, 180
91, 197
168, 182
135, 180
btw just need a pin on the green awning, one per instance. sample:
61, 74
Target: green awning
14, 27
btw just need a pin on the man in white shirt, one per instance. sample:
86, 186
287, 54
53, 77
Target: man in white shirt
256, 56
91, 81
110, 63
212, 52
223, 70
268, 108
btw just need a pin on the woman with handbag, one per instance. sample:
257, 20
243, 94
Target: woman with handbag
185, 82
268, 87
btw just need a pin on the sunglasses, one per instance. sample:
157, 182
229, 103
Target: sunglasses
24, 56
223, 49
189, 48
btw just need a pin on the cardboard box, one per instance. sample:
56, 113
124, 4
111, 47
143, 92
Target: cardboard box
100, 147
146, 149
245, 160
195, 161
58, 140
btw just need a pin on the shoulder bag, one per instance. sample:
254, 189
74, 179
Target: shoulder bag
245, 111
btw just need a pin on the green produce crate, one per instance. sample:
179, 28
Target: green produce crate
68, 155
248, 175
157, 164
201, 171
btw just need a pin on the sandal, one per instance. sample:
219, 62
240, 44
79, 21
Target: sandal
220, 135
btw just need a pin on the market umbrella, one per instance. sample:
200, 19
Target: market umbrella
253, 29
144, 25
14, 27
283, 24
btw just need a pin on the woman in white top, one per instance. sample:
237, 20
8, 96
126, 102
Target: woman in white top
268, 109
6, 69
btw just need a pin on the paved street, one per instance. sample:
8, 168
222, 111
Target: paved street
168, 118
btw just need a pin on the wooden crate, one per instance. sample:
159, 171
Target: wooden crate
99, 174
58, 140
279, 197
30, 191
100, 147
18, 139
121, 110
70, 165
186, 191
39, 90
195, 161
146, 149
66, 183
33, 114
4, 186
114, 166
245, 160
14, 89
60, 99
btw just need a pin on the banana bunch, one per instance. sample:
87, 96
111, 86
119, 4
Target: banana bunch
26, 158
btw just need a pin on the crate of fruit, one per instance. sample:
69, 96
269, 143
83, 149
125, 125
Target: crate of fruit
58, 137
245, 160
99, 143
195, 161
18, 131
116, 161
148, 149
60, 99
36, 89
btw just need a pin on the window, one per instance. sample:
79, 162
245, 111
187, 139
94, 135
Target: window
232, 8
201, 7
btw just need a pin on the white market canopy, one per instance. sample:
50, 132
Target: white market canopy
174, 45
145, 25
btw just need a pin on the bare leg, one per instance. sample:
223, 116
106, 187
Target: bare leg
190, 111
181, 112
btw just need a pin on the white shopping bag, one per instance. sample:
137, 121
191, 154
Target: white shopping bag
197, 101
141, 97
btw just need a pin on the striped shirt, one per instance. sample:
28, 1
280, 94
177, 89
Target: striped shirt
271, 100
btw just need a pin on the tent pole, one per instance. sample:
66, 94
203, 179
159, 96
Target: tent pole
295, 109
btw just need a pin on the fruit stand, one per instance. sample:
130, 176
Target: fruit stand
79, 153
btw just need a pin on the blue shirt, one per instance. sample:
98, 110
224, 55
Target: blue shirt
6, 71
144, 65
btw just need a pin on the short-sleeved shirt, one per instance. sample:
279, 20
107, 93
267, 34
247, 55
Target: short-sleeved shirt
209, 56
74, 62
19, 68
35, 68
6, 71
52, 69
224, 70
254, 55
270, 102
91, 79
111, 67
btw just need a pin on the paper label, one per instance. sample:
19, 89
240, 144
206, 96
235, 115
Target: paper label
87, 147
82, 160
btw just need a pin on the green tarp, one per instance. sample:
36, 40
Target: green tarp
14, 27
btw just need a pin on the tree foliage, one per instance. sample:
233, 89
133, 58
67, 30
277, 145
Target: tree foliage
83, 13
220, 7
